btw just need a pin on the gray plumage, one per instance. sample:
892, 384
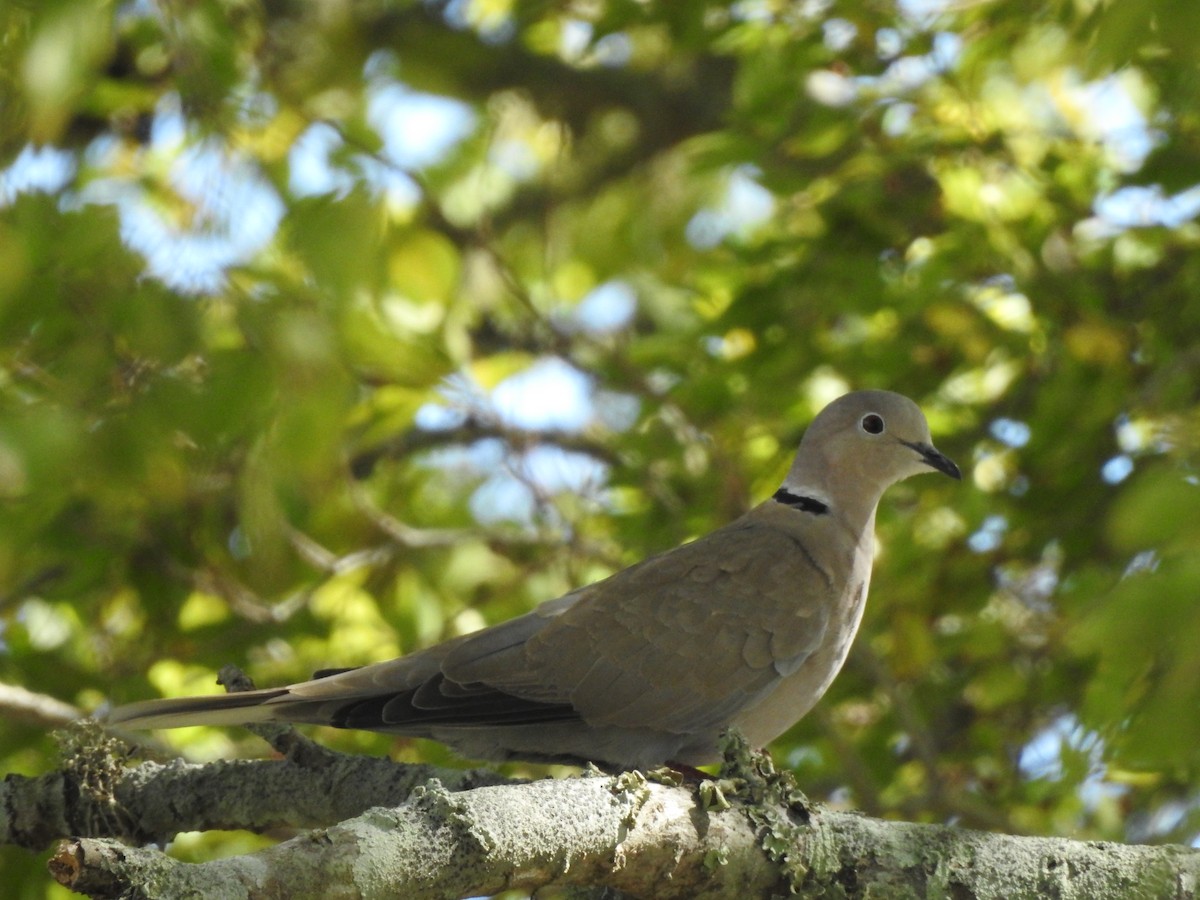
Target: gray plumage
746, 626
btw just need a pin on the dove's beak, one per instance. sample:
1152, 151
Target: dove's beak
936, 459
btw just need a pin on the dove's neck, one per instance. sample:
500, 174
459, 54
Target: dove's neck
845, 495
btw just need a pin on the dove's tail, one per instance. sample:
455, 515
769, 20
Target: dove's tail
220, 709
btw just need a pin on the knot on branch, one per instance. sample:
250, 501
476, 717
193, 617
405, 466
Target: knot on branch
448, 810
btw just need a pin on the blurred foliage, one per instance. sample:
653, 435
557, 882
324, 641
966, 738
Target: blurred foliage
253, 351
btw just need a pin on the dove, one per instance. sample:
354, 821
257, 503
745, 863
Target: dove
746, 626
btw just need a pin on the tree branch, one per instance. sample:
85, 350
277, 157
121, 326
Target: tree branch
95, 795
618, 832
640, 838
747, 834
20, 705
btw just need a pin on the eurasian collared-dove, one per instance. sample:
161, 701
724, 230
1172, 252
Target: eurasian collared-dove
745, 626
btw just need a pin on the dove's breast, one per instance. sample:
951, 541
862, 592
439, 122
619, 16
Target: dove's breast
799, 692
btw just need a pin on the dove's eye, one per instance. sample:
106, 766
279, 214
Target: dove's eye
872, 423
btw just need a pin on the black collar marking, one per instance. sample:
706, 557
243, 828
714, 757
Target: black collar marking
804, 504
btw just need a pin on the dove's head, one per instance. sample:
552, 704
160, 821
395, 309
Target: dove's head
862, 443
